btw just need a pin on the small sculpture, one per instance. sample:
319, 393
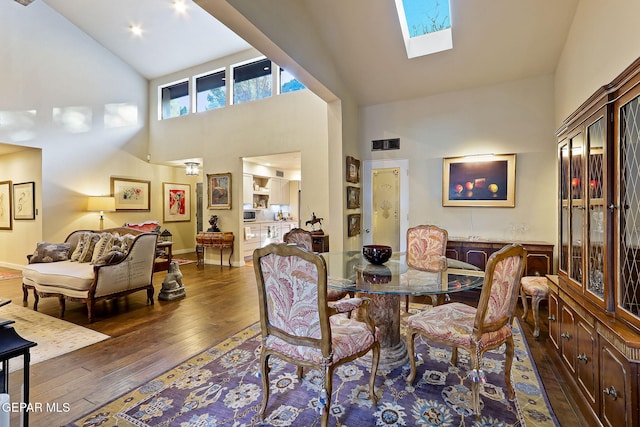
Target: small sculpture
313, 221
213, 221
172, 286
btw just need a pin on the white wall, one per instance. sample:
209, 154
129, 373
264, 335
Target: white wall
603, 41
514, 117
285, 123
50, 64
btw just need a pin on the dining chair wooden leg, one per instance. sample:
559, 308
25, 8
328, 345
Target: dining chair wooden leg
374, 370
508, 362
411, 336
264, 371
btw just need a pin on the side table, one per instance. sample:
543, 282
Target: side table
164, 253
209, 239
13, 345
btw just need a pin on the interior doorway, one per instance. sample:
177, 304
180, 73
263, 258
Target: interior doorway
385, 202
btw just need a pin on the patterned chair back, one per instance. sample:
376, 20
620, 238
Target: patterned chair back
426, 248
299, 237
501, 288
292, 290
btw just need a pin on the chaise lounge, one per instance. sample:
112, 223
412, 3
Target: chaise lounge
91, 266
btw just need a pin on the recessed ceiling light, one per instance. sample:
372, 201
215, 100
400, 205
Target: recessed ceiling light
180, 6
135, 29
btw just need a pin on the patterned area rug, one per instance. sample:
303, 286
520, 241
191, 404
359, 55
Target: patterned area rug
54, 336
220, 387
181, 261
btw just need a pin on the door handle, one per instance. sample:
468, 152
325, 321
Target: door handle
366, 230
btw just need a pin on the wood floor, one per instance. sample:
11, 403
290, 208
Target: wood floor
148, 340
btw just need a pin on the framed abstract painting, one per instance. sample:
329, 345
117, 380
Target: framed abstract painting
219, 190
176, 202
131, 194
24, 198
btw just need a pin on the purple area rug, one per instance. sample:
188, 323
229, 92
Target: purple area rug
220, 387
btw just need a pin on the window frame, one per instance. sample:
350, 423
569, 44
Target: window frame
161, 102
194, 84
232, 82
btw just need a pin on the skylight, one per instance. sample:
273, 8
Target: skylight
426, 26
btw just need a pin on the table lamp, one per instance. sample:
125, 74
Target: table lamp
101, 204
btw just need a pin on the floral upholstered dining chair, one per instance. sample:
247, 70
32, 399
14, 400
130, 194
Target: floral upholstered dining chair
476, 329
304, 239
426, 250
300, 327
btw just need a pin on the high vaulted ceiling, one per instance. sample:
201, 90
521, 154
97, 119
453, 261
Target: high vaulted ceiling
494, 41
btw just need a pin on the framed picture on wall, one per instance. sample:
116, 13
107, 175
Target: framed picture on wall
353, 221
6, 222
353, 197
219, 190
353, 170
24, 200
479, 181
131, 194
176, 202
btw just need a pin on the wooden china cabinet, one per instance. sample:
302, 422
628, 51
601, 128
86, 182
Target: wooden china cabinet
594, 303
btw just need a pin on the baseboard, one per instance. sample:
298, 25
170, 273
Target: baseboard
11, 265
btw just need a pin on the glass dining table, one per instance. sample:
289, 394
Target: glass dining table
386, 284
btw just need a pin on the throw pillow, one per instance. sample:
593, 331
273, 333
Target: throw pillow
111, 257
75, 256
89, 244
50, 252
102, 246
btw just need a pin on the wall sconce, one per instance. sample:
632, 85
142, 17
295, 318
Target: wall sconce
192, 168
101, 204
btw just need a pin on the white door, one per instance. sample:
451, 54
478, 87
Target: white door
385, 213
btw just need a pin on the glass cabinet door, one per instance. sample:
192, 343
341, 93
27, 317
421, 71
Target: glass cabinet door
595, 256
577, 207
563, 257
628, 207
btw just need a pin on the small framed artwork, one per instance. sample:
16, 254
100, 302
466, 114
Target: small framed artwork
353, 197
24, 200
6, 222
487, 181
353, 170
176, 202
219, 190
131, 194
353, 221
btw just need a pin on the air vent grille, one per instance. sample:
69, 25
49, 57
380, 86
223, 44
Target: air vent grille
280, 174
385, 144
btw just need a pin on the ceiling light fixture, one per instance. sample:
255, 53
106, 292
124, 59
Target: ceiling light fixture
136, 30
192, 168
180, 6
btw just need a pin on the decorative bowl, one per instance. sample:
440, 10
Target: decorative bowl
376, 254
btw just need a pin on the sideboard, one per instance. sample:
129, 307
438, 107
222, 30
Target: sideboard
478, 251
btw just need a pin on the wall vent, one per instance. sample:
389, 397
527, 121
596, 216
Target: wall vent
385, 144
280, 174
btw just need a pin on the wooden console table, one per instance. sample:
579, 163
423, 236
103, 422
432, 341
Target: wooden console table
220, 240
320, 242
477, 252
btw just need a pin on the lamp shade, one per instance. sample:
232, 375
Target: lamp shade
101, 203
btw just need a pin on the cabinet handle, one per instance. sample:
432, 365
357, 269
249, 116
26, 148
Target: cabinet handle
611, 391
583, 357
612, 207
565, 335
552, 318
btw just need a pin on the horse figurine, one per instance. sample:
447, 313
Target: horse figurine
313, 221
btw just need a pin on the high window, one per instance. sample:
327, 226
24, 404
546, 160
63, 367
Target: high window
252, 81
211, 91
425, 25
288, 83
174, 99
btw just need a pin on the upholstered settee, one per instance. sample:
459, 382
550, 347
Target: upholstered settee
91, 266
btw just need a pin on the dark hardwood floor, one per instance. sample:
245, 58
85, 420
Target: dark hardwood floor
148, 340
